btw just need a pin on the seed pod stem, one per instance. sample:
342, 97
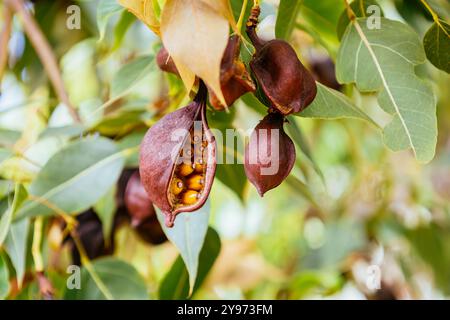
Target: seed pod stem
251, 25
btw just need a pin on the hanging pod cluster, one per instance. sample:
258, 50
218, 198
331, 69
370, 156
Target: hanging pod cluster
178, 154
287, 87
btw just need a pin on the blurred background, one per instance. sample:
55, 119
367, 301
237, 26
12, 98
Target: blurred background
354, 220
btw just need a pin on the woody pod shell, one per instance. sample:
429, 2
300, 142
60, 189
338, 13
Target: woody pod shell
159, 149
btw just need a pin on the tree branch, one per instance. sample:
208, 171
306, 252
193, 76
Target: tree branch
44, 52
4, 39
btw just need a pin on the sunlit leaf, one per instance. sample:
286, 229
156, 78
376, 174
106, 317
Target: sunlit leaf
4, 154
125, 22
120, 279
331, 104
188, 235
68, 131
132, 141
296, 134
359, 8
286, 17
4, 278
16, 246
105, 10
144, 10
382, 60
175, 284
195, 33
105, 209
130, 74
70, 183
6, 218
321, 17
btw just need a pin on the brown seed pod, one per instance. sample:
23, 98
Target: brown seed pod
234, 78
269, 154
140, 210
137, 201
165, 62
90, 233
286, 83
323, 70
151, 231
166, 158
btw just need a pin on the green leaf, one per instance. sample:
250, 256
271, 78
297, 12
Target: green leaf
105, 209
132, 140
299, 139
359, 7
341, 239
332, 104
16, 246
382, 60
175, 285
437, 45
286, 17
120, 123
130, 75
236, 6
188, 235
8, 137
75, 178
120, 279
4, 278
233, 176
252, 102
126, 20
20, 195
301, 188
105, 10
322, 17
69, 131
230, 171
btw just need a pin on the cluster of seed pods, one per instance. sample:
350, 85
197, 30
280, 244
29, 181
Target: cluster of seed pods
287, 87
178, 173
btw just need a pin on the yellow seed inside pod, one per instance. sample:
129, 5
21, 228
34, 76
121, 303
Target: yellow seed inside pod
195, 182
177, 186
185, 169
190, 197
199, 165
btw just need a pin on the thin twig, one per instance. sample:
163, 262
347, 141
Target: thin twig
86, 262
71, 224
4, 39
44, 52
45, 286
350, 13
435, 16
36, 246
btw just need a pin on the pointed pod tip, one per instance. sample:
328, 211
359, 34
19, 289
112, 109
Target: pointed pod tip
261, 192
169, 219
135, 222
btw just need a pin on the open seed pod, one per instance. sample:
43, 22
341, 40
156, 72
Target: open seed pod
165, 62
178, 159
269, 154
287, 84
234, 78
